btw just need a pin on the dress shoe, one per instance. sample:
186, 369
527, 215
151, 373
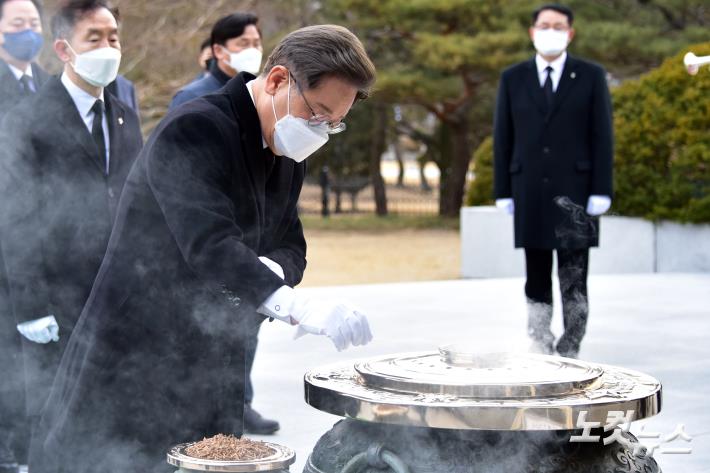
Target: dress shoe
255, 424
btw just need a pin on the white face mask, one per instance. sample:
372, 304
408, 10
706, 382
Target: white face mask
293, 137
98, 67
550, 42
248, 60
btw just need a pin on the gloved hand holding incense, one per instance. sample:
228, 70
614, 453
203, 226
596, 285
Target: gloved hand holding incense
344, 325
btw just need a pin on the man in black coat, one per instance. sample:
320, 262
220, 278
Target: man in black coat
207, 235
234, 35
20, 77
69, 150
553, 146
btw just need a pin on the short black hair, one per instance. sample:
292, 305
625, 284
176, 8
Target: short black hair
71, 11
231, 26
556, 7
36, 3
205, 44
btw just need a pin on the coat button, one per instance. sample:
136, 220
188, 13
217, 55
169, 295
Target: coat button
111, 194
545, 180
546, 150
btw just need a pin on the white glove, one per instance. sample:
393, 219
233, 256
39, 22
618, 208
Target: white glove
343, 325
273, 266
42, 330
598, 204
506, 205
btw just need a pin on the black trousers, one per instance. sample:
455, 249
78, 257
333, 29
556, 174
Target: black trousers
572, 270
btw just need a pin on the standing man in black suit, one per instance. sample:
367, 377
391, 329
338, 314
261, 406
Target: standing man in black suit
20, 43
553, 146
20, 77
69, 150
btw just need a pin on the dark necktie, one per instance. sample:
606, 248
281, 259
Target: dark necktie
28, 87
97, 131
549, 93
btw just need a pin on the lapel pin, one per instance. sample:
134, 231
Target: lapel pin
120, 120
573, 75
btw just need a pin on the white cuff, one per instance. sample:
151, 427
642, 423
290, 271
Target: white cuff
273, 266
278, 305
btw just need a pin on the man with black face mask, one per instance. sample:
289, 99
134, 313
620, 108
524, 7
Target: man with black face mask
20, 77
61, 175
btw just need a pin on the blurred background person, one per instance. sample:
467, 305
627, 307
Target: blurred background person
205, 58
20, 43
125, 91
20, 77
553, 147
236, 47
62, 174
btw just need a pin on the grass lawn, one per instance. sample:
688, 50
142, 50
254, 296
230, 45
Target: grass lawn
364, 249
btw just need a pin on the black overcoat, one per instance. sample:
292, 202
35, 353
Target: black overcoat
157, 357
57, 215
542, 155
12, 397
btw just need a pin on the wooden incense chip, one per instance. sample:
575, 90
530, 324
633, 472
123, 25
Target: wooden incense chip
229, 448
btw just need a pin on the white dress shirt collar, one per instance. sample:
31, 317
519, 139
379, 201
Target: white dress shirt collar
82, 99
557, 66
251, 94
18, 73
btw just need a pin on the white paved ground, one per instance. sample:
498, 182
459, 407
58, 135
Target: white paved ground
658, 324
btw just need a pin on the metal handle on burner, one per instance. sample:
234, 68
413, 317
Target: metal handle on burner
378, 457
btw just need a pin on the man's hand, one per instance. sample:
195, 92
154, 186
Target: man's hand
42, 330
506, 205
598, 204
343, 325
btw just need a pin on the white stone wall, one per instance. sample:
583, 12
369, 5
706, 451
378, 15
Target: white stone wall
627, 245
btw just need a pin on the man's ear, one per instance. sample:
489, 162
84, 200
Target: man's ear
277, 76
571, 34
61, 49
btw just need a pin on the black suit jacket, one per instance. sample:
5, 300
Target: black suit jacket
58, 213
154, 356
542, 155
11, 89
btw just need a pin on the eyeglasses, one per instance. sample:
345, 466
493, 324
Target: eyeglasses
318, 120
